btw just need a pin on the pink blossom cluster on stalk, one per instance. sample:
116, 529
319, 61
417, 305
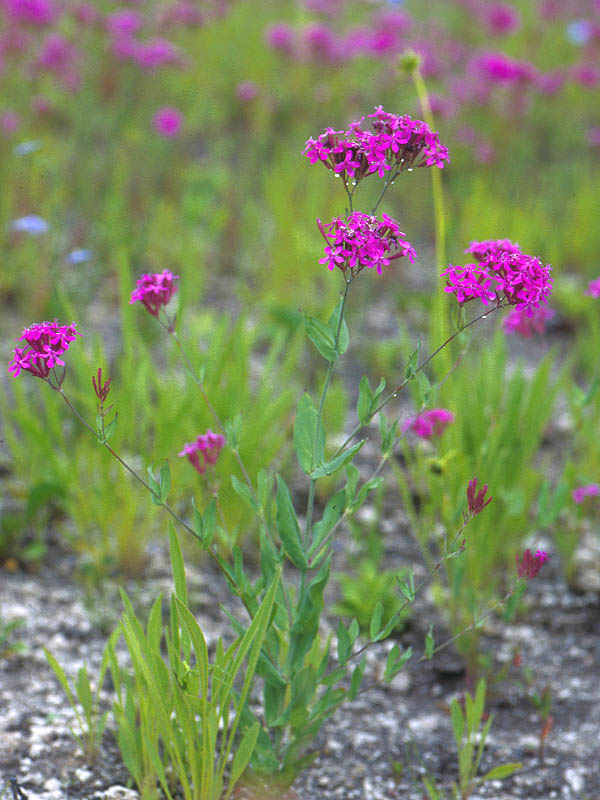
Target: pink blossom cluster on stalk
155, 290
581, 492
168, 121
477, 502
394, 143
529, 565
518, 321
361, 240
46, 341
432, 422
207, 446
594, 288
503, 272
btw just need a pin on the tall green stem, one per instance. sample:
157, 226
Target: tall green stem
311, 492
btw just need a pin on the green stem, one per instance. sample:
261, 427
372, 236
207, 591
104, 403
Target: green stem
313, 481
387, 183
440, 323
401, 386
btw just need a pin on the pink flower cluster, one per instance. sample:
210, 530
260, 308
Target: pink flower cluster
503, 272
477, 502
529, 565
155, 290
361, 240
396, 142
432, 422
35, 12
593, 289
47, 342
581, 492
518, 321
167, 121
208, 446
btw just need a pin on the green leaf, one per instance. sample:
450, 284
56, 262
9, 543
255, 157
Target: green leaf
396, 661
344, 337
344, 645
331, 516
177, 565
61, 675
233, 429
501, 771
309, 435
429, 643
412, 363
357, 676
367, 399
331, 467
322, 337
375, 625
111, 428
84, 691
154, 486
243, 490
407, 587
243, 754
165, 481
288, 528
458, 721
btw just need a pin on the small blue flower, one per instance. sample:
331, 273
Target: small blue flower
79, 256
25, 148
32, 224
578, 31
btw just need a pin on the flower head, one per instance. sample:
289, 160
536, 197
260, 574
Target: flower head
503, 273
594, 288
167, 121
393, 143
432, 422
101, 389
37, 12
155, 290
208, 445
31, 224
361, 240
47, 341
529, 565
518, 321
476, 502
581, 492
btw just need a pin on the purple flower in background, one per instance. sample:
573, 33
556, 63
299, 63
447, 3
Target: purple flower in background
518, 321
37, 12
123, 23
79, 256
246, 91
208, 446
280, 37
586, 75
578, 31
167, 121
499, 68
432, 422
32, 224
593, 136
10, 122
593, 289
581, 492
156, 53
360, 241
57, 53
47, 342
155, 290
529, 565
501, 18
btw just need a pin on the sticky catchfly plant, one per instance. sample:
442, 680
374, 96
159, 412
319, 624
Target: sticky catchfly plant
529, 565
519, 322
361, 240
208, 445
46, 341
394, 143
155, 290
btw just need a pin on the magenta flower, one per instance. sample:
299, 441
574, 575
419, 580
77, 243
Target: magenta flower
167, 121
529, 566
280, 37
37, 12
10, 122
476, 502
501, 274
581, 492
157, 53
123, 23
47, 342
361, 240
594, 288
430, 423
57, 54
246, 91
501, 18
155, 290
394, 143
208, 446
499, 68
518, 321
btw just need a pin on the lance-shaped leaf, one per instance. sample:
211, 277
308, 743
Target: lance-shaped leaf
309, 435
288, 527
331, 467
322, 337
